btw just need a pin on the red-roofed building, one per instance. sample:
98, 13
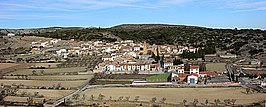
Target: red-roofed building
208, 74
182, 77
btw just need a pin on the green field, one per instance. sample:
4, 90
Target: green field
158, 78
218, 67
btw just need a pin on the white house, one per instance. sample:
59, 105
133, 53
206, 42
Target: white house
194, 69
107, 58
136, 48
10, 34
167, 64
180, 70
192, 79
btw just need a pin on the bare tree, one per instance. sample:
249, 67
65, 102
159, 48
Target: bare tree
58, 86
42, 72
75, 96
120, 98
36, 94
24, 93
83, 97
216, 101
100, 97
253, 91
184, 102
206, 102
195, 102
163, 100
233, 101
34, 72
153, 100
127, 98
227, 101
30, 100
248, 90
137, 98
92, 97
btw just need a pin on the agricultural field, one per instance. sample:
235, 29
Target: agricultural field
46, 65
66, 84
48, 94
48, 71
7, 65
177, 95
61, 77
54, 77
218, 67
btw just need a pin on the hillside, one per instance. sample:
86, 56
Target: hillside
146, 26
233, 40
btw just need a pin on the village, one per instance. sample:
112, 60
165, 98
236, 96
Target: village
73, 67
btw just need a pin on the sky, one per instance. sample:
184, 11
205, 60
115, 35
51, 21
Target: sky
108, 13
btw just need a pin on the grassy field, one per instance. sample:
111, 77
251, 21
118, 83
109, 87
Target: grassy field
219, 67
156, 78
48, 71
66, 84
177, 95
48, 94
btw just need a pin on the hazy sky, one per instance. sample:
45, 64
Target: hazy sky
106, 13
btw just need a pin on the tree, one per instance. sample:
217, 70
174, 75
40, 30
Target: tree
177, 61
